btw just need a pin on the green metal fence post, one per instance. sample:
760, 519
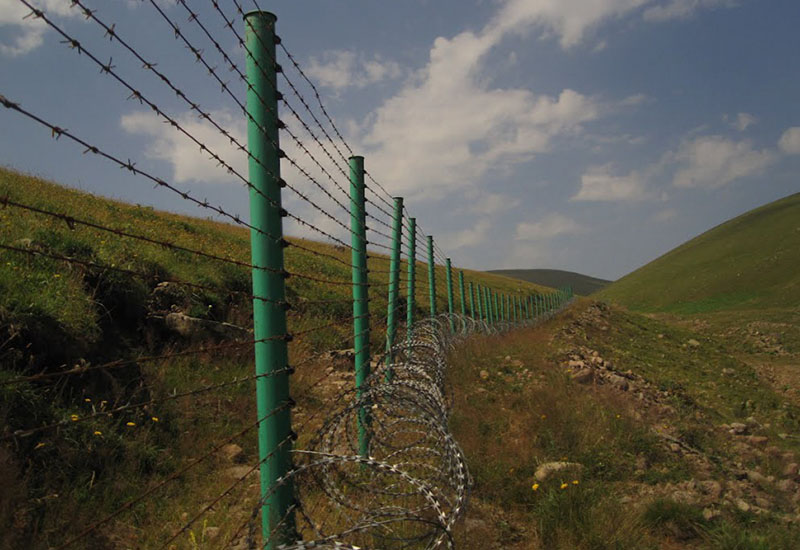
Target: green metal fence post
412, 276
449, 277
394, 281
431, 277
487, 306
463, 295
527, 303
358, 224
471, 300
479, 303
269, 286
496, 309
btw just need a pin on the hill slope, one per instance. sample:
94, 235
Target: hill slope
747, 263
152, 398
581, 284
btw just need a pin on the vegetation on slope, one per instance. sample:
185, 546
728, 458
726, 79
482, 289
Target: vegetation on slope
582, 285
55, 315
680, 444
747, 263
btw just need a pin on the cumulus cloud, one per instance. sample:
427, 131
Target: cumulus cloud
714, 161
448, 127
790, 141
340, 69
28, 32
567, 19
741, 121
548, 227
599, 183
471, 236
682, 9
188, 163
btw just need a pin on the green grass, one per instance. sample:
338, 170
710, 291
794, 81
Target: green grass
522, 416
54, 315
748, 263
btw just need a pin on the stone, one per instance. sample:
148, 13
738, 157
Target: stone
791, 470
576, 364
763, 503
692, 343
728, 372
786, 485
712, 488
756, 477
709, 514
738, 428
233, 453
618, 382
484, 374
516, 363
757, 440
584, 376
549, 469
742, 505
195, 328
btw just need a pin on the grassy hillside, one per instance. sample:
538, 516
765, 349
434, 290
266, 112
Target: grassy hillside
55, 315
582, 285
670, 442
748, 263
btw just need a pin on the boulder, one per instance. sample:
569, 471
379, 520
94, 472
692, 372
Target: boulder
484, 374
233, 453
583, 376
195, 328
549, 469
619, 382
692, 343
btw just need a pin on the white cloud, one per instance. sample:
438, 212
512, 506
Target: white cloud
568, 19
741, 121
471, 236
448, 127
599, 183
548, 227
340, 69
187, 161
682, 9
714, 161
29, 31
790, 141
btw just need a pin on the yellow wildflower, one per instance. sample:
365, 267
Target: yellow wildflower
575, 482
544, 416
131, 424
155, 419
98, 432
535, 486
73, 417
39, 445
564, 485
87, 400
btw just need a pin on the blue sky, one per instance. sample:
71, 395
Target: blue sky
589, 135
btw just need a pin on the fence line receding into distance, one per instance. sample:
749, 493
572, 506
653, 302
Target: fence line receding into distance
359, 457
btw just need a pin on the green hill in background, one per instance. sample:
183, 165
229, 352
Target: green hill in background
581, 284
750, 263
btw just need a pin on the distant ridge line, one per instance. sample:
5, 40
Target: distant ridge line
555, 278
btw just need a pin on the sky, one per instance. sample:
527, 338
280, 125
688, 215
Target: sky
586, 135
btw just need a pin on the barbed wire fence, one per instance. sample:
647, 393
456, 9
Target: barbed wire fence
356, 451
